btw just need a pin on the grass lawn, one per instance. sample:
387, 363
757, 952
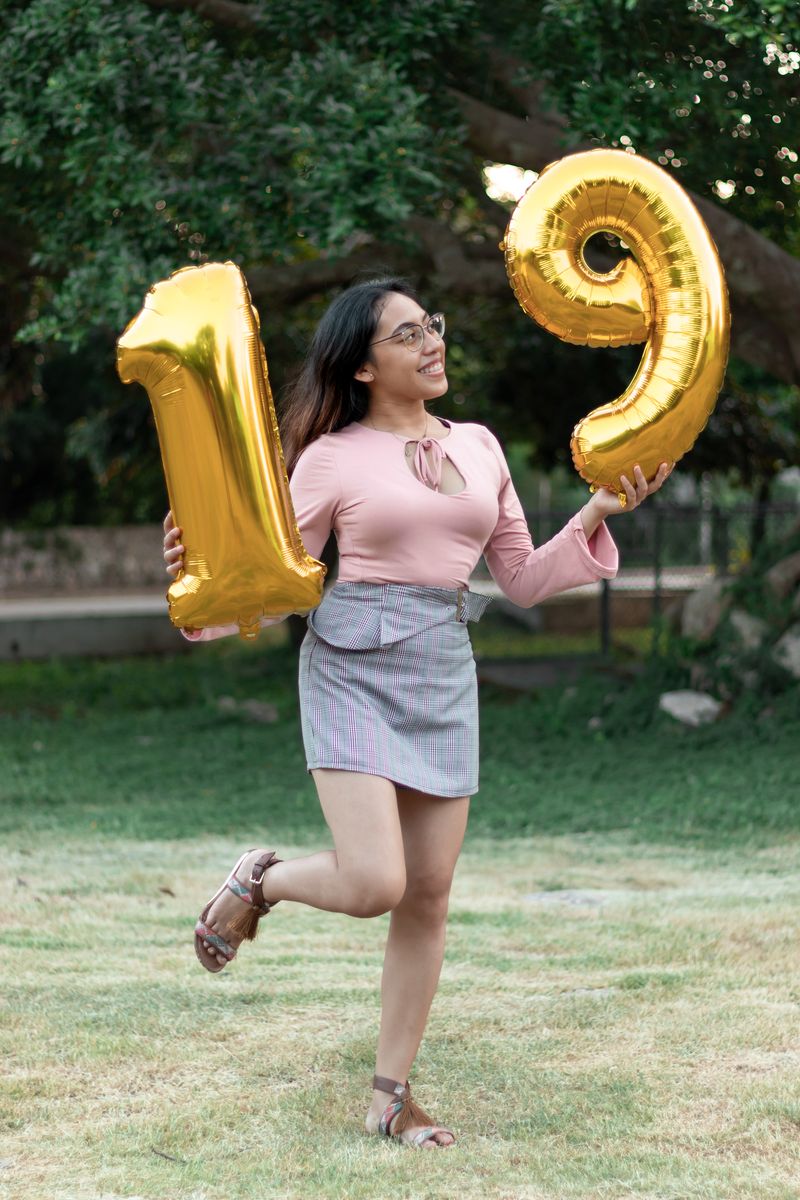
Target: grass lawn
618, 1013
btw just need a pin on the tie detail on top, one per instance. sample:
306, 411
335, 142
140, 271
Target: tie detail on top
429, 472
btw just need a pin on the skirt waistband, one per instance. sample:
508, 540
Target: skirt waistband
364, 616
469, 606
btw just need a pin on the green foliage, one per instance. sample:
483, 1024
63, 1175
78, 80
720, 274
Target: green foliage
81, 448
142, 142
707, 88
135, 140
754, 431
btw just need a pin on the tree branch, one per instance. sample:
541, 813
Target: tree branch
294, 282
763, 280
442, 260
230, 13
524, 141
446, 263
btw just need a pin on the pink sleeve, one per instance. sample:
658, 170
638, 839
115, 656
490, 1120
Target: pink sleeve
527, 575
315, 492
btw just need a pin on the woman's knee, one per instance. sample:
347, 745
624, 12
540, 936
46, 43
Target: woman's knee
375, 893
428, 896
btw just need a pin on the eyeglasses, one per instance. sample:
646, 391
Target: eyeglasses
413, 336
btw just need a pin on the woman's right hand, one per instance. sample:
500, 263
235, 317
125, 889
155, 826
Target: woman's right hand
173, 550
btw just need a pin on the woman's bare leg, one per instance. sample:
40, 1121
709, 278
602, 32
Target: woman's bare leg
394, 849
433, 831
363, 875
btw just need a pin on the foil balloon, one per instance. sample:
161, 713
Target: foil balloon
671, 294
195, 346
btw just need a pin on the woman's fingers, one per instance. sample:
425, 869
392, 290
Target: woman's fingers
629, 492
662, 474
173, 557
642, 489
173, 549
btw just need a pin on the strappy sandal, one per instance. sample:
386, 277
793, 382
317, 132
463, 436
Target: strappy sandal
244, 923
402, 1112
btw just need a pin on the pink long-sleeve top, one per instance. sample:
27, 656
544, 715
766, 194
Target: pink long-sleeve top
395, 525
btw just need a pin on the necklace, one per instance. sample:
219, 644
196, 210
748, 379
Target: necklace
399, 436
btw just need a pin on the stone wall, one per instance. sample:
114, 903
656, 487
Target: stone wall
70, 561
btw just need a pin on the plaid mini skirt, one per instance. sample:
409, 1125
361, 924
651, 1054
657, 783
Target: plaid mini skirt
388, 685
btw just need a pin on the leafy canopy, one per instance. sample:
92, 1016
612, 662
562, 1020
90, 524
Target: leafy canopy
134, 140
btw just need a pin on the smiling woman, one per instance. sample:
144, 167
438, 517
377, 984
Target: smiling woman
388, 692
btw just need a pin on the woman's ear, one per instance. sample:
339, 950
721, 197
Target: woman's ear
364, 374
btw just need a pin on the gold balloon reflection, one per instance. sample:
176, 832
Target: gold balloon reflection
671, 294
195, 347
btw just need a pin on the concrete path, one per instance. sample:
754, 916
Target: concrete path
105, 626
137, 622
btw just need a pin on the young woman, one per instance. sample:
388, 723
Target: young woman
387, 677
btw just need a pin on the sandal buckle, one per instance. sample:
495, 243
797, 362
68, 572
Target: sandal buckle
262, 870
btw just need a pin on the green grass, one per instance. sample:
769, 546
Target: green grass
140, 748
618, 1008
643, 1045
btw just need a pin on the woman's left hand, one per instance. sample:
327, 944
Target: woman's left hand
605, 503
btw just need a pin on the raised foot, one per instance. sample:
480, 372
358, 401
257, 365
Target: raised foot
230, 916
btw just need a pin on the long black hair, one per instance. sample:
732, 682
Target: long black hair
326, 396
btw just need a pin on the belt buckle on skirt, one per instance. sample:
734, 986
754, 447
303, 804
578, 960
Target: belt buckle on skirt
460, 603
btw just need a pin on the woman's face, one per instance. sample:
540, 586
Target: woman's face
394, 371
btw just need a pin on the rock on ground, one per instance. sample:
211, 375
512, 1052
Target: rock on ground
786, 651
260, 711
751, 631
690, 708
703, 610
784, 575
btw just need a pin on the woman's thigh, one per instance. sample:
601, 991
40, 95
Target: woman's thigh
361, 812
433, 832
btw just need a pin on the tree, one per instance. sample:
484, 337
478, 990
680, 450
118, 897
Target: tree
315, 140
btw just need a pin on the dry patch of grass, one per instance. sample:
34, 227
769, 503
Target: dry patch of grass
614, 1020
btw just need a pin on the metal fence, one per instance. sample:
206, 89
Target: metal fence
668, 550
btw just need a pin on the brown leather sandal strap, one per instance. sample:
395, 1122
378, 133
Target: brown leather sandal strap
380, 1083
260, 867
401, 1112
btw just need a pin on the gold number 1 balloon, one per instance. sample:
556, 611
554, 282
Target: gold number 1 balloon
195, 347
671, 294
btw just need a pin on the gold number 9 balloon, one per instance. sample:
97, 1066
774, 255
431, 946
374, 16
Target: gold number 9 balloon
195, 347
671, 294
